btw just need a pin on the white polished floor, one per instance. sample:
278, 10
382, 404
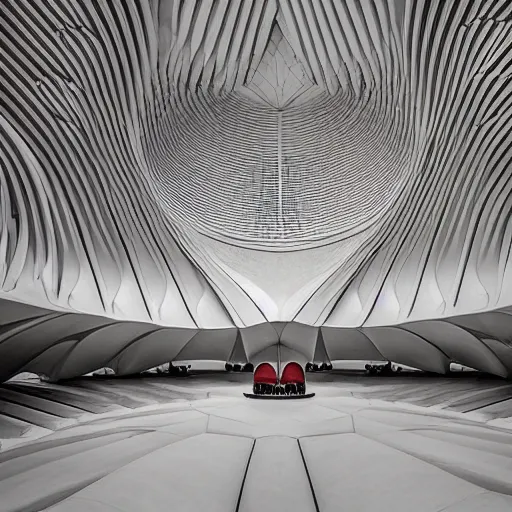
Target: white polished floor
216, 451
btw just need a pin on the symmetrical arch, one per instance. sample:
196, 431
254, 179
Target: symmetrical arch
207, 168
66, 345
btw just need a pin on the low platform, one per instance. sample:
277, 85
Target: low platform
279, 397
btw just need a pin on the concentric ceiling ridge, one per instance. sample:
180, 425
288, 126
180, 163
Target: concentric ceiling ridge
191, 166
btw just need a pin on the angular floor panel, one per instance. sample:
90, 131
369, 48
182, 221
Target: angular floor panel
482, 467
49, 483
201, 473
352, 473
276, 478
179, 453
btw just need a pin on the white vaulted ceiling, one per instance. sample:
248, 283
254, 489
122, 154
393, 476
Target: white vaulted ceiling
223, 164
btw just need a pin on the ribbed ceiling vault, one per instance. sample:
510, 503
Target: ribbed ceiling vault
221, 164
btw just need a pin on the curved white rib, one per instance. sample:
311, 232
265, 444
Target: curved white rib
204, 164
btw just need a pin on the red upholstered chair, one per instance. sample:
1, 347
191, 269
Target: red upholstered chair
292, 374
293, 378
264, 376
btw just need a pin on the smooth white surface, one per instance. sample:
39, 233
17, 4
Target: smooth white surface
200, 473
276, 479
192, 454
350, 472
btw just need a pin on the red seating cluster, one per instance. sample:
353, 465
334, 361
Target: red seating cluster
292, 381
